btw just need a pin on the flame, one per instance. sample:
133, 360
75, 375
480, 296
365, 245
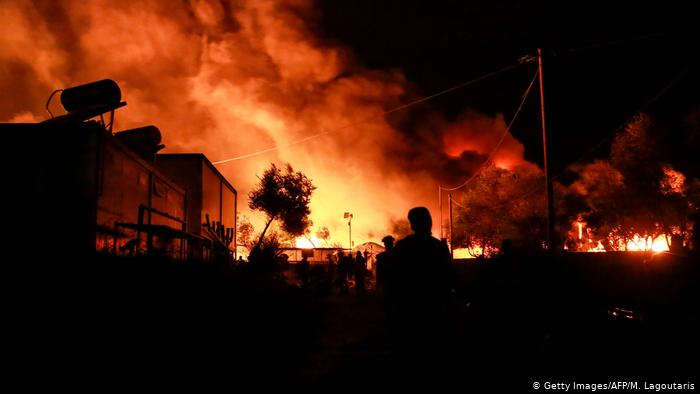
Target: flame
673, 181
638, 243
231, 79
304, 243
598, 248
467, 253
312, 242
580, 230
647, 244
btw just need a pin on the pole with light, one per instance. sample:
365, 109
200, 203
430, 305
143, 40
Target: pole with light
348, 215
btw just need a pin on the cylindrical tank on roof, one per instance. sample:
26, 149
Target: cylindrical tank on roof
101, 93
142, 137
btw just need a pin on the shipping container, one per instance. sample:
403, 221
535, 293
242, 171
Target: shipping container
81, 190
211, 205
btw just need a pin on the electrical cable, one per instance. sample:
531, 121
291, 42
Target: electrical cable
399, 108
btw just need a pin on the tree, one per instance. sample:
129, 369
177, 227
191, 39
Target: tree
636, 192
605, 205
245, 233
500, 204
324, 234
284, 196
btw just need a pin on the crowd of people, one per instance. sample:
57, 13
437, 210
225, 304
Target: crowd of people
413, 279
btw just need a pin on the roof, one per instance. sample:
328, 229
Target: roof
199, 156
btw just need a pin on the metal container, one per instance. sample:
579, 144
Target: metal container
95, 94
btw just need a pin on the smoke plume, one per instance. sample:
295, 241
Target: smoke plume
233, 78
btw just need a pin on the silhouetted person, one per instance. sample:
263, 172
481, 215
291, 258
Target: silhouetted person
344, 268
360, 271
303, 271
420, 280
281, 265
383, 261
331, 269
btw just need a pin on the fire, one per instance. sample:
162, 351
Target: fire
580, 230
673, 182
233, 80
638, 243
598, 248
312, 242
467, 253
304, 243
647, 244
480, 134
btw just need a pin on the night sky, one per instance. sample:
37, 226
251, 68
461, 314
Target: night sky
603, 63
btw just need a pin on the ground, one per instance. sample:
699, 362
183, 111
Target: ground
157, 324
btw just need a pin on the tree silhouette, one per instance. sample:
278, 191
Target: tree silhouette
245, 233
324, 234
637, 192
500, 204
284, 196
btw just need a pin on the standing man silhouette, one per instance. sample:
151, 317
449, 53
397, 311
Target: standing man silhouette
421, 281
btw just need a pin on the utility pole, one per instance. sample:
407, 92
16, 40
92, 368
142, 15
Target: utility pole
348, 216
551, 235
440, 208
452, 253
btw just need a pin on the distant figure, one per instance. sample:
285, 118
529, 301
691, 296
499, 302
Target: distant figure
240, 260
331, 269
281, 265
303, 271
383, 261
360, 271
507, 247
421, 283
344, 268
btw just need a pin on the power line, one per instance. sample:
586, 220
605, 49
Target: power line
646, 105
399, 108
500, 141
525, 59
